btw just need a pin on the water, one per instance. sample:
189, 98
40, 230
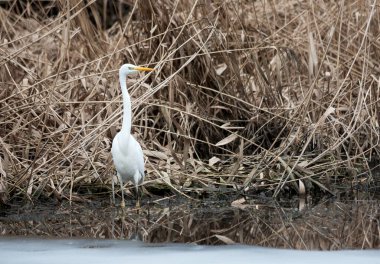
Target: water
172, 230
330, 224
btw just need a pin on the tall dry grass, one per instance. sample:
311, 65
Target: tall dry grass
252, 95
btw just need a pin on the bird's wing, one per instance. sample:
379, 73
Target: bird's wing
139, 158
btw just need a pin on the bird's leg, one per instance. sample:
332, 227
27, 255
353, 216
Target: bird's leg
138, 197
113, 191
122, 191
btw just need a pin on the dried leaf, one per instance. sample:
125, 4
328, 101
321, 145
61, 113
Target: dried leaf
225, 239
221, 68
213, 161
239, 203
155, 154
226, 140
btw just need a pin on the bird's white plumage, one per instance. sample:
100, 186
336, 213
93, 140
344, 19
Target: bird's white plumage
126, 151
128, 158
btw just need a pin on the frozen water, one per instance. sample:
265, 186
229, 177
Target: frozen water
40, 251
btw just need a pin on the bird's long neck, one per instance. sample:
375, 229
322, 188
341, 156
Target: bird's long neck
126, 127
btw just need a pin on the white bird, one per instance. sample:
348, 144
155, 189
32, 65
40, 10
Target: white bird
126, 152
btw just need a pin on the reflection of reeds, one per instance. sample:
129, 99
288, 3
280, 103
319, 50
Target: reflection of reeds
326, 226
245, 94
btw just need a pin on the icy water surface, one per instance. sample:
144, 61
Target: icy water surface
33, 251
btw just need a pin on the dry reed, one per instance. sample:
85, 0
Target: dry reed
251, 95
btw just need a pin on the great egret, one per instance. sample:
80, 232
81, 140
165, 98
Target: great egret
126, 152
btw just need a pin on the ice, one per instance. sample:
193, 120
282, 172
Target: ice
40, 251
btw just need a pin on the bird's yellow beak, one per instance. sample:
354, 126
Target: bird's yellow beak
142, 69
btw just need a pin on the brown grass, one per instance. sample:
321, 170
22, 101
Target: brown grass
254, 95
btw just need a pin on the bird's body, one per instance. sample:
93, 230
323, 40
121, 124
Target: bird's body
126, 152
128, 158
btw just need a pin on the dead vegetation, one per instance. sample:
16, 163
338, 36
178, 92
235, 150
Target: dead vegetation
251, 95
